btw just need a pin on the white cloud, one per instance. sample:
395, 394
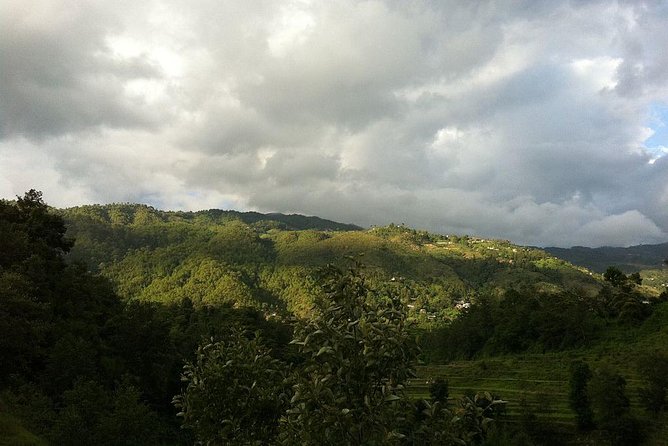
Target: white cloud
629, 228
600, 71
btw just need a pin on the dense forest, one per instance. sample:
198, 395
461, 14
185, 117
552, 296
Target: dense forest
123, 324
161, 256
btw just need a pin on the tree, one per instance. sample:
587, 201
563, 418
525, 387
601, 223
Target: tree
653, 368
611, 408
358, 358
94, 415
635, 278
52, 336
578, 395
620, 280
663, 297
615, 276
234, 393
32, 244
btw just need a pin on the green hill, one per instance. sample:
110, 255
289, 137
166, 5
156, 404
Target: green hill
649, 260
267, 261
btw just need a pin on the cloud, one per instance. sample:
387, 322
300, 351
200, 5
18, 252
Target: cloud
59, 74
518, 120
631, 226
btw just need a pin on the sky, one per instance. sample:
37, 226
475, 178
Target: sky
541, 122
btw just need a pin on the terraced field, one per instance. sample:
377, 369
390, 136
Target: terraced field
537, 384
508, 379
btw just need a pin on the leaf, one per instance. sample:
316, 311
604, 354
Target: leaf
486, 422
395, 434
323, 350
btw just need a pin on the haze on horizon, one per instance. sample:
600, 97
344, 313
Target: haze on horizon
542, 122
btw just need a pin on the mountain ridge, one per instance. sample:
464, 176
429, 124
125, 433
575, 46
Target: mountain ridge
629, 259
125, 212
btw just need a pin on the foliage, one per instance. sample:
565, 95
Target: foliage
522, 320
358, 358
475, 415
611, 407
653, 368
434, 424
438, 390
93, 415
31, 405
469, 422
13, 433
615, 276
623, 304
77, 364
578, 395
235, 392
43, 298
82, 360
204, 281
620, 280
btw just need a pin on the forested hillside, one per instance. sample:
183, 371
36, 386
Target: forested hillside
266, 262
650, 261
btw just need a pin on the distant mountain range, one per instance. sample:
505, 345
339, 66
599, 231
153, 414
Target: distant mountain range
631, 259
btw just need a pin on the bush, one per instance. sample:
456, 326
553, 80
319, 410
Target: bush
439, 391
611, 408
653, 368
578, 395
359, 356
234, 393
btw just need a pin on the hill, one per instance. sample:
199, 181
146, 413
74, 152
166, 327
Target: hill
631, 259
268, 260
136, 213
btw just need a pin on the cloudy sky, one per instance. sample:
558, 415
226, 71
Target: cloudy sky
544, 122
